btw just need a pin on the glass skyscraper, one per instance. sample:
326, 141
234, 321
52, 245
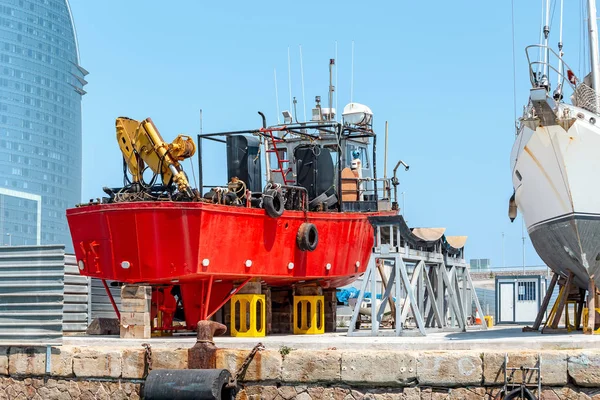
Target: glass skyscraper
41, 85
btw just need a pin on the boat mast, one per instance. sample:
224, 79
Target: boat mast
593, 31
560, 45
546, 34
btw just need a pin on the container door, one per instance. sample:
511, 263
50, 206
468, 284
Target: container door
507, 302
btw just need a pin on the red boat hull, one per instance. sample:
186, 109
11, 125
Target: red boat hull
207, 247
162, 242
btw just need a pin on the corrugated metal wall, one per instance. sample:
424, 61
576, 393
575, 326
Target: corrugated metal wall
77, 304
101, 306
31, 295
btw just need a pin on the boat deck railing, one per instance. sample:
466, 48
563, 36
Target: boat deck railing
554, 70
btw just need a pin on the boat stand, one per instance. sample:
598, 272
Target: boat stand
569, 297
429, 289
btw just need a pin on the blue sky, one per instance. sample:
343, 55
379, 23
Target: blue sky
440, 72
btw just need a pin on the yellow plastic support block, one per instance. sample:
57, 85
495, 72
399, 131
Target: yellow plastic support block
309, 315
248, 315
586, 316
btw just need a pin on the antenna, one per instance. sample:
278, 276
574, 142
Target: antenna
201, 121
331, 87
290, 78
352, 75
336, 80
302, 75
276, 94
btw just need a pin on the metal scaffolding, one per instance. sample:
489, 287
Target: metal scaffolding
423, 288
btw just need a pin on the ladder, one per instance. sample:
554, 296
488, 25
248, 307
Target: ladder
521, 391
281, 163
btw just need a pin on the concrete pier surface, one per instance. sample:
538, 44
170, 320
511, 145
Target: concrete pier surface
499, 338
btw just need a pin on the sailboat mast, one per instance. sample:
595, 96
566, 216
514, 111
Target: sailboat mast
593, 32
546, 34
560, 44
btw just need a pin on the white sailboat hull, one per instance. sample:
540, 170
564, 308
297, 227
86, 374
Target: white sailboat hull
556, 176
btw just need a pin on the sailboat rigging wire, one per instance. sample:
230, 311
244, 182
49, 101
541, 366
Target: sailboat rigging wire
276, 94
352, 75
302, 77
512, 6
290, 79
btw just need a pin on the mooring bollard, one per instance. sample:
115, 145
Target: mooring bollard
203, 354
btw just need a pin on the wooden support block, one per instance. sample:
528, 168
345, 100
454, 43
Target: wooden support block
135, 332
312, 290
251, 288
136, 305
135, 318
136, 292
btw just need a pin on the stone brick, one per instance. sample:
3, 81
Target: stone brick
449, 369
169, 358
412, 393
133, 363
467, 394
584, 368
265, 366
136, 292
61, 360
135, 318
378, 368
3, 360
135, 332
27, 361
554, 367
311, 366
97, 363
136, 305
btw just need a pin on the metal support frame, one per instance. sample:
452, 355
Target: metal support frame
428, 289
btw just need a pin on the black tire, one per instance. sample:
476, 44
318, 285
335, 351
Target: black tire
516, 394
273, 203
307, 237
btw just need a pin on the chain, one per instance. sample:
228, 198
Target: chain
147, 359
241, 372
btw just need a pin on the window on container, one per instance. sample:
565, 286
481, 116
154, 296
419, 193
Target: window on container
527, 291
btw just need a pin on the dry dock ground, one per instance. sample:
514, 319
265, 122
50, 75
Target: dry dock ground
331, 366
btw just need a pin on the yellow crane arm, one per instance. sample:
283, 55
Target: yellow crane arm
141, 144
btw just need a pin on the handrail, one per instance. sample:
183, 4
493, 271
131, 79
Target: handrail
532, 73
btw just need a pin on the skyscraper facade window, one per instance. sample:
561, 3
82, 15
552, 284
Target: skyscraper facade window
41, 85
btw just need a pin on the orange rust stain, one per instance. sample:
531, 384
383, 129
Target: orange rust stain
537, 162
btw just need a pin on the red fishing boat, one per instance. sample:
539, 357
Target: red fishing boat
312, 222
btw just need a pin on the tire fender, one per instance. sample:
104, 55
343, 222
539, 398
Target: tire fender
307, 238
273, 203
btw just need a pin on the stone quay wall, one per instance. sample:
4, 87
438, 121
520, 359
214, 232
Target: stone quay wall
116, 373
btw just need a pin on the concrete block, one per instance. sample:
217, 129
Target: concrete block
135, 332
27, 361
92, 363
136, 305
103, 326
584, 368
265, 366
449, 369
554, 367
133, 363
169, 358
136, 292
311, 366
135, 318
379, 368
61, 361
